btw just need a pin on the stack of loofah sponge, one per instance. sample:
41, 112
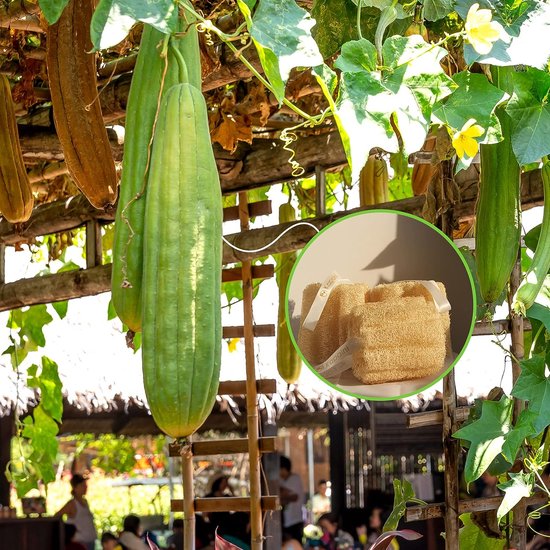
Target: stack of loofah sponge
398, 332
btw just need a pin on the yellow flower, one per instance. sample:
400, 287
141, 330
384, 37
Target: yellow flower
463, 140
481, 32
232, 344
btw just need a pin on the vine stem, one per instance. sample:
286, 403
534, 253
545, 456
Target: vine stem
359, 7
208, 25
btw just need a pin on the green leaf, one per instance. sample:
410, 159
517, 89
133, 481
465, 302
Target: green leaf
437, 9
416, 78
514, 438
68, 266
41, 429
530, 113
525, 40
486, 436
281, 31
403, 492
113, 19
61, 308
335, 24
111, 313
518, 486
51, 397
363, 111
471, 537
52, 9
474, 98
532, 237
533, 386
541, 313
33, 321
357, 56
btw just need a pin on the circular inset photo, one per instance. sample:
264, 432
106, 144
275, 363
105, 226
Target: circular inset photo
380, 304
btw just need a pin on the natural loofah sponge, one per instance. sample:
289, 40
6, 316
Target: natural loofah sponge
402, 335
331, 330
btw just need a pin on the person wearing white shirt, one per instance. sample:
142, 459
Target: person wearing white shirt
292, 497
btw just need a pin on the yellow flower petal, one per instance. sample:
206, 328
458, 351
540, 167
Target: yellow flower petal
480, 31
474, 131
471, 147
458, 145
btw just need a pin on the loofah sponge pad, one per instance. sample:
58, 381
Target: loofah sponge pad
403, 336
331, 330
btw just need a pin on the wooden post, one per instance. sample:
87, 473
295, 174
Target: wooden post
519, 512
2, 263
256, 527
338, 462
93, 244
320, 189
270, 461
450, 450
188, 497
6, 433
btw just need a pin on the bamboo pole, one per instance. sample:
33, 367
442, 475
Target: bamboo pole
188, 497
256, 526
450, 449
519, 512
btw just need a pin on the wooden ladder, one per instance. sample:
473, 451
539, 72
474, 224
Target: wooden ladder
254, 444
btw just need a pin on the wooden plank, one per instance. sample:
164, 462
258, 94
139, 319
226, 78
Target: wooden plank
437, 510
260, 208
267, 386
239, 332
226, 504
224, 446
7, 431
264, 271
434, 418
500, 326
54, 288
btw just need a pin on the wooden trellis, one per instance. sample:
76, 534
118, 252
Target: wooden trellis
450, 417
254, 445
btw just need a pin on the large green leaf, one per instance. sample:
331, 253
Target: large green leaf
486, 436
530, 113
113, 19
357, 56
33, 321
407, 89
518, 486
474, 98
417, 80
402, 493
281, 31
541, 313
437, 9
52, 9
534, 386
471, 537
526, 29
524, 427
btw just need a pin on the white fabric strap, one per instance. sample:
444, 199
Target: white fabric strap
440, 300
340, 361
321, 298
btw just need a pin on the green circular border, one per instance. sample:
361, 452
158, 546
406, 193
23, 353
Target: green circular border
464, 263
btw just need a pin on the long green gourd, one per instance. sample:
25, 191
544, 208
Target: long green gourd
498, 204
181, 336
538, 270
289, 363
142, 107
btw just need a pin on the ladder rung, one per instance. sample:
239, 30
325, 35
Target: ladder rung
238, 332
225, 446
264, 271
260, 208
226, 504
266, 386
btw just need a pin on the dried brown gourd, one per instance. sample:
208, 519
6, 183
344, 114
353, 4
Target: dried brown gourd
77, 112
16, 200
